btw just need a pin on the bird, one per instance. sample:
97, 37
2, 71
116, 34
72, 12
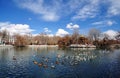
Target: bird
40, 64
43, 57
46, 60
62, 63
45, 66
58, 56
35, 62
52, 66
56, 62
14, 58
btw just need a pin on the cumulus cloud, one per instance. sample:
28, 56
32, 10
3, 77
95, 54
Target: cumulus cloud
111, 33
46, 30
72, 26
15, 28
104, 23
61, 32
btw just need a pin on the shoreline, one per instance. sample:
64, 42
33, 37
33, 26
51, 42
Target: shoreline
6, 46
41, 46
46, 46
31, 46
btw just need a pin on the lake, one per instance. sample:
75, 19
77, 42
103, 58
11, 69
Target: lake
53, 63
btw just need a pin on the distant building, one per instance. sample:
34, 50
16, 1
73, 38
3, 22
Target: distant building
0, 38
11, 40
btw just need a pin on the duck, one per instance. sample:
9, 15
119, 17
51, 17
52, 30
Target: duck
62, 63
56, 62
46, 60
58, 56
43, 57
45, 66
35, 62
40, 64
52, 66
14, 58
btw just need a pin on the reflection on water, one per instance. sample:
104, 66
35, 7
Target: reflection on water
54, 63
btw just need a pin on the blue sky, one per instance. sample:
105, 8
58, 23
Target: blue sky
59, 17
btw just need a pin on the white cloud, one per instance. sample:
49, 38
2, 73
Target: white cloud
72, 26
50, 35
114, 8
53, 10
46, 30
110, 23
47, 12
61, 32
111, 33
104, 23
90, 10
50, 17
35, 35
15, 28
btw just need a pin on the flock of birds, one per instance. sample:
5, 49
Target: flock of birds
46, 60
63, 60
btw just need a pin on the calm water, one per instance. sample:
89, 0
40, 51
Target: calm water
59, 63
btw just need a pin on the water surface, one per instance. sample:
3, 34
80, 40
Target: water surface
59, 63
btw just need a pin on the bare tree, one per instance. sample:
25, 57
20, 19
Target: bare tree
118, 36
94, 34
43, 38
5, 36
20, 40
53, 40
75, 36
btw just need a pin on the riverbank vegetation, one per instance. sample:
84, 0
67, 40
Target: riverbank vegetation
94, 37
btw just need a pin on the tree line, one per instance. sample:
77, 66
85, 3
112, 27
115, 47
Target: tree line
27, 39
93, 37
